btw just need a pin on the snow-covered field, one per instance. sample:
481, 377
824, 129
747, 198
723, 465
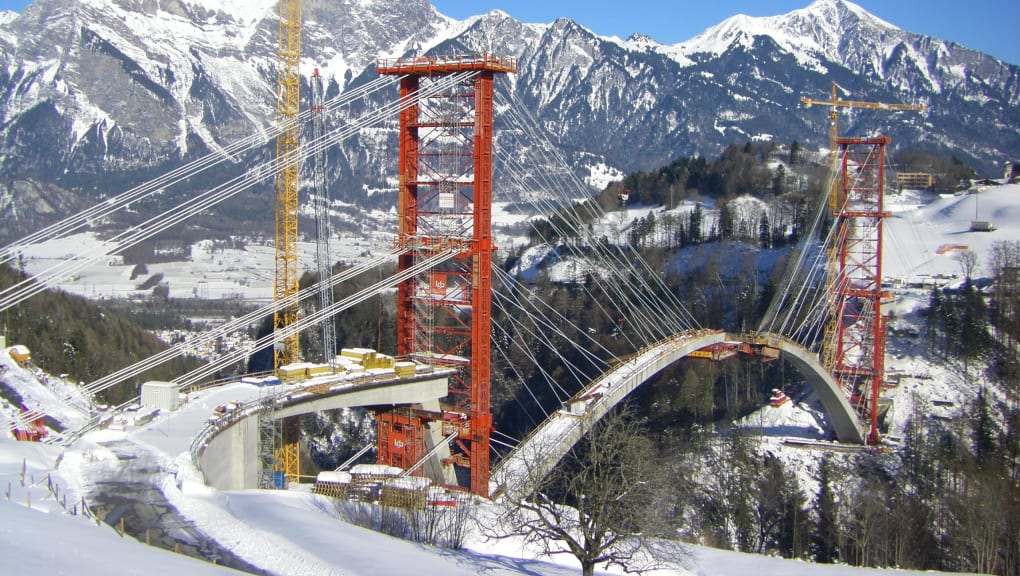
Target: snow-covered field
921, 224
210, 273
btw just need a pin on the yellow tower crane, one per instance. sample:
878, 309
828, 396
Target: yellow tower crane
835, 104
288, 103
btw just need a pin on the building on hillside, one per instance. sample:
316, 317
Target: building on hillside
915, 180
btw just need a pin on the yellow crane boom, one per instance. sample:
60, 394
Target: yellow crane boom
834, 102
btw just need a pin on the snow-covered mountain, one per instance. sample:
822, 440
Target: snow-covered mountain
96, 95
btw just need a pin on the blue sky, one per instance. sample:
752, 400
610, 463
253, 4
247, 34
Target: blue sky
991, 26
987, 25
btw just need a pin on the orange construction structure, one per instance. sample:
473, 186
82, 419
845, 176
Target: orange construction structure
445, 198
858, 338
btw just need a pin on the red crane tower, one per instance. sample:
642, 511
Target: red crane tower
445, 199
858, 339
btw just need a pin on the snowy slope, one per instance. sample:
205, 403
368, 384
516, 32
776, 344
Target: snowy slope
287, 533
815, 34
35, 542
921, 224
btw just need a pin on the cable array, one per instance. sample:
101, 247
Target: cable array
638, 292
313, 320
84, 219
234, 325
808, 299
29, 287
634, 291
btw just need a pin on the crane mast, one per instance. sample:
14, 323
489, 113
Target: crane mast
323, 229
288, 103
288, 97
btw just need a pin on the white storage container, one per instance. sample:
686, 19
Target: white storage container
162, 395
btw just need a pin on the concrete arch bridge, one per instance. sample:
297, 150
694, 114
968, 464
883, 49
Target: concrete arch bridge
547, 444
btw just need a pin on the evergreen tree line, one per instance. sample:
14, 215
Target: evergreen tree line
957, 326
944, 502
949, 171
966, 326
1004, 267
740, 169
369, 324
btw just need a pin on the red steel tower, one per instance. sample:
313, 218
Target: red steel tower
445, 199
858, 351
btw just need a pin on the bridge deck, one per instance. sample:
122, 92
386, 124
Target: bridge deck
537, 454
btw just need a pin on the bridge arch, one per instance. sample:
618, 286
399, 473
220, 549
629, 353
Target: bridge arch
541, 450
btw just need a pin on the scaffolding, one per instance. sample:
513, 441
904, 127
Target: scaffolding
858, 327
322, 225
268, 439
445, 195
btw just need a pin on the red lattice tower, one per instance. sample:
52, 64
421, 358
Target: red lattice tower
859, 343
445, 199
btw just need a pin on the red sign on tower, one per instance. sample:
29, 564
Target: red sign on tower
438, 287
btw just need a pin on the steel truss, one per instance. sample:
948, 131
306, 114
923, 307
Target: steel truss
445, 196
858, 352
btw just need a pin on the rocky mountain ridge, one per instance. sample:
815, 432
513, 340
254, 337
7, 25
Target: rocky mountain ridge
97, 95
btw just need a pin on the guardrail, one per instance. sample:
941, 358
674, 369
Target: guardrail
443, 62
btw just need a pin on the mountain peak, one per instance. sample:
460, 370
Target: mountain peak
639, 38
824, 30
839, 13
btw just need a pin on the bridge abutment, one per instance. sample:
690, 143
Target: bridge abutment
229, 459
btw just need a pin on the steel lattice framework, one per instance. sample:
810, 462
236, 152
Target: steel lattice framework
288, 108
858, 351
323, 256
288, 103
445, 197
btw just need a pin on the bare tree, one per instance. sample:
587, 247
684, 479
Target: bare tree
968, 260
598, 504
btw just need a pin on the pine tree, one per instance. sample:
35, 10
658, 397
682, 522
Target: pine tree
824, 542
779, 180
694, 230
794, 152
984, 433
764, 231
725, 221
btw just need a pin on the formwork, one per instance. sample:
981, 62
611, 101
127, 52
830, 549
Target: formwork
332, 484
406, 492
367, 480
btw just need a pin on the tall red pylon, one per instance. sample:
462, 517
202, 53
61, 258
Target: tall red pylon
445, 199
859, 343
